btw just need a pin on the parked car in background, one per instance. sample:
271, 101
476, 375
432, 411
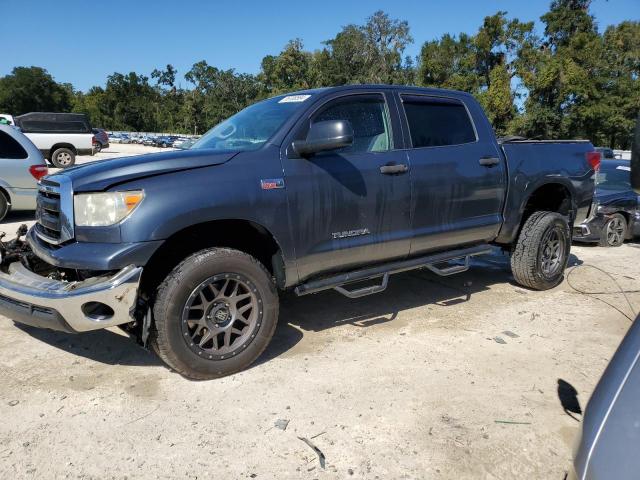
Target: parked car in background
309, 191
615, 213
606, 152
184, 143
8, 119
118, 137
150, 140
59, 136
21, 166
101, 139
166, 141
609, 439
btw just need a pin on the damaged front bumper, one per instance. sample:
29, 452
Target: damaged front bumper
79, 306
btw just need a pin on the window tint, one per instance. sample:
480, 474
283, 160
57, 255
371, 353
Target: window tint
10, 148
369, 120
613, 176
436, 122
36, 126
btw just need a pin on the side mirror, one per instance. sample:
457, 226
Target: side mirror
635, 159
324, 136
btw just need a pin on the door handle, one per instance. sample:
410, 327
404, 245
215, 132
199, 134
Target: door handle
489, 161
394, 169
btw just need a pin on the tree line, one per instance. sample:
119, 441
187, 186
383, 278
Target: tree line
568, 81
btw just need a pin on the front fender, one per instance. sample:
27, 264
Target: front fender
181, 200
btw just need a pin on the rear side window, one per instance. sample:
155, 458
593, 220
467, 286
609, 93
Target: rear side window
436, 122
43, 126
10, 148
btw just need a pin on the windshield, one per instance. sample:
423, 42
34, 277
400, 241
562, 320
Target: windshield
252, 127
613, 177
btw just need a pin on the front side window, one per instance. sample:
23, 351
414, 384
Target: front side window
252, 127
368, 117
10, 148
437, 122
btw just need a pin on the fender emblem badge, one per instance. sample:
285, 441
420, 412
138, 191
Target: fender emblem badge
350, 233
272, 183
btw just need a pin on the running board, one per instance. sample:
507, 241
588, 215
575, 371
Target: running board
337, 282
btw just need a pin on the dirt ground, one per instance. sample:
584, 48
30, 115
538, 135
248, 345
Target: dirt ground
444, 378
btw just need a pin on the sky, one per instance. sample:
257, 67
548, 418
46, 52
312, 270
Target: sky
82, 42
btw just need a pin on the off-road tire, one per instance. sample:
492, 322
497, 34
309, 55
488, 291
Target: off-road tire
56, 161
167, 336
605, 241
4, 206
526, 257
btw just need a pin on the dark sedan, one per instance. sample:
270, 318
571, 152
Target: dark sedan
615, 211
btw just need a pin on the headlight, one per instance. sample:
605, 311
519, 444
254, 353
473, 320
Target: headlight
104, 209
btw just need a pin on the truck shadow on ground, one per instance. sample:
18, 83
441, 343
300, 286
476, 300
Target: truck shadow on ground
313, 313
418, 288
102, 346
15, 217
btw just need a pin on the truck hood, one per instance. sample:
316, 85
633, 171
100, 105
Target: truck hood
100, 175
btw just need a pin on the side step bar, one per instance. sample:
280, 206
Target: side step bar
430, 261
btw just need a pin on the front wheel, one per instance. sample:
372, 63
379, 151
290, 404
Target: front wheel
614, 231
215, 313
542, 251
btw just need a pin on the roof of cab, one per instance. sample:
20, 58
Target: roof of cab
365, 87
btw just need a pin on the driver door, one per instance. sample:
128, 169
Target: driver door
344, 211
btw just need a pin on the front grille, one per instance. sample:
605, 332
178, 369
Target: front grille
48, 211
54, 211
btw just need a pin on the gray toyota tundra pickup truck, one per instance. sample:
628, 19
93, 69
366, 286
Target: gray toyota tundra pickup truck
309, 191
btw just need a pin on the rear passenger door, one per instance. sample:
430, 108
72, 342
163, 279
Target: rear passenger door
458, 175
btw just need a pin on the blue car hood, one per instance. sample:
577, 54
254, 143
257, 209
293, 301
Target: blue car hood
101, 175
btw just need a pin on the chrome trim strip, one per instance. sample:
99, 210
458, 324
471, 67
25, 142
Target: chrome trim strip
119, 292
65, 191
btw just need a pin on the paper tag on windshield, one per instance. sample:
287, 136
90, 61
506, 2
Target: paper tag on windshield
621, 167
294, 98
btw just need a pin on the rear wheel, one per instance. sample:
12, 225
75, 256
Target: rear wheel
4, 206
614, 231
63, 158
215, 313
542, 251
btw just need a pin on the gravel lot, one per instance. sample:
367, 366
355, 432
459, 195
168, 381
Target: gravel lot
418, 382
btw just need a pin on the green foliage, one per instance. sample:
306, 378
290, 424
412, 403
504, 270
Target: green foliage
369, 53
32, 89
570, 82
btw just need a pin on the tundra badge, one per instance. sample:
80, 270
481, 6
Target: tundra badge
351, 233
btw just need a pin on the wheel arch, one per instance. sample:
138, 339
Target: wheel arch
244, 235
63, 145
5, 192
553, 195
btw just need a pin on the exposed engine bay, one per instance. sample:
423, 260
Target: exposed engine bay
18, 250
